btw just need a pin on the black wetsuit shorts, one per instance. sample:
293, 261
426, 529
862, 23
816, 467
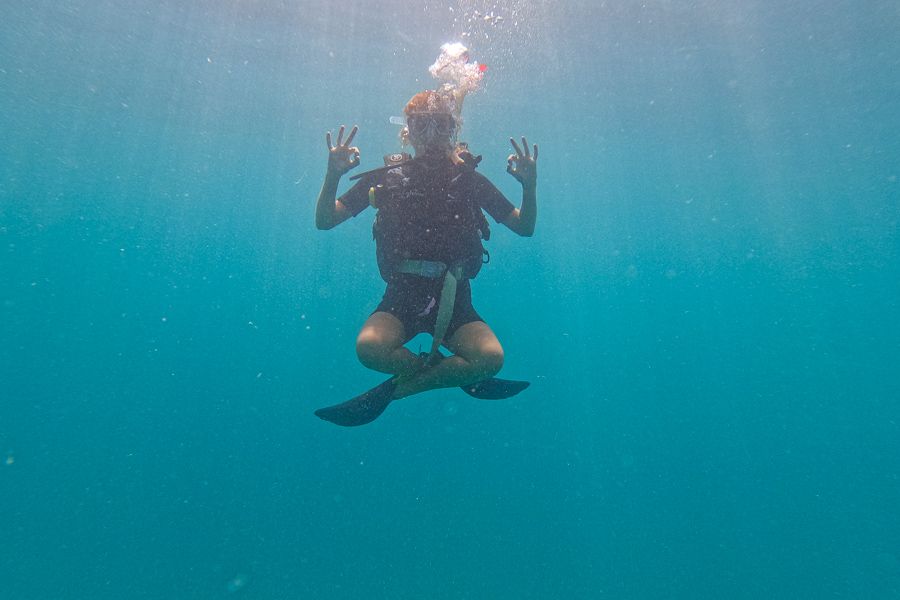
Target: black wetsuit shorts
414, 301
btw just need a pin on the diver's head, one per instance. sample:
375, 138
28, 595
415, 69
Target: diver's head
431, 122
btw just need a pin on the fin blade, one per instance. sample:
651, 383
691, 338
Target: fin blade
362, 409
495, 389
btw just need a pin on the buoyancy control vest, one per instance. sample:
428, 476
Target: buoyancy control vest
428, 215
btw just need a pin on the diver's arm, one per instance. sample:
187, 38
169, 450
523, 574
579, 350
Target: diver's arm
523, 166
522, 220
341, 158
330, 212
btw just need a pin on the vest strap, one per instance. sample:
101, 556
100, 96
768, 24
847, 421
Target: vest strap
451, 275
423, 268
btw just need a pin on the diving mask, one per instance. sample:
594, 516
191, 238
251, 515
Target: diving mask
429, 127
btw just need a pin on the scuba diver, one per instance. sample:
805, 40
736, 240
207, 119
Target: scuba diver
428, 230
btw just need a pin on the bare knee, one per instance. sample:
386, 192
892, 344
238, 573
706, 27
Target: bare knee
477, 344
489, 360
372, 349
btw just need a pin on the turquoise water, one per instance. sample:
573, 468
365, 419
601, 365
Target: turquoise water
708, 310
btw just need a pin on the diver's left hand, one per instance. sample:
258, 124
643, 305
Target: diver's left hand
523, 164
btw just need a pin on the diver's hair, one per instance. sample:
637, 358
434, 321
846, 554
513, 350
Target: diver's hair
432, 101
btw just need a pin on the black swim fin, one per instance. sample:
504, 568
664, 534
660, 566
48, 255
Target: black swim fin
362, 409
488, 389
494, 388
368, 406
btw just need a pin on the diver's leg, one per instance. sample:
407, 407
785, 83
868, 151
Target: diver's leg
379, 345
478, 355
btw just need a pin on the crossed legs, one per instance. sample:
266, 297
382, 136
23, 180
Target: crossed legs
477, 355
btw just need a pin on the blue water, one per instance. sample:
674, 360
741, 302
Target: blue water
708, 310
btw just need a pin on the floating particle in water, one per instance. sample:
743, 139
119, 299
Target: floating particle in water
10, 459
236, 584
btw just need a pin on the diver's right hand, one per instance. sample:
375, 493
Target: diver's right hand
343, 157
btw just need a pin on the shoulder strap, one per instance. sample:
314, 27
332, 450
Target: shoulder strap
390, 161
467, 167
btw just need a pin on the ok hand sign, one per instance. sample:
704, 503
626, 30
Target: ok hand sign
522, 165
343, 157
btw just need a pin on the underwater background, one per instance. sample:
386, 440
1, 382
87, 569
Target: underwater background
708, 310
